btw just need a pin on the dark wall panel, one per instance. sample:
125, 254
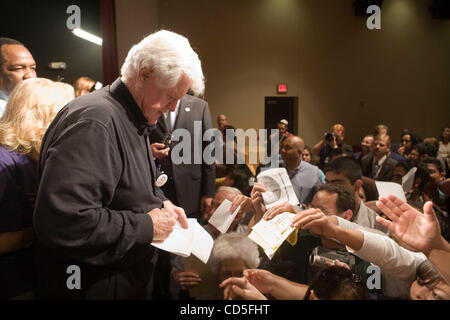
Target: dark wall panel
41, 26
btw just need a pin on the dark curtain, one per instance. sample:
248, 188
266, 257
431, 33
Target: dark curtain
109, 52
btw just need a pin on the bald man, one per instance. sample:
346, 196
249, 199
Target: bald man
16, 64
305, 177
221, 122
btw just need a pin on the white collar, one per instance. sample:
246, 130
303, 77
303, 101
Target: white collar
381, 161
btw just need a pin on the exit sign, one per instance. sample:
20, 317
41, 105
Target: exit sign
282, 88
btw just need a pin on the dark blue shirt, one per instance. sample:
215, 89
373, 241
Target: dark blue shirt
18, 176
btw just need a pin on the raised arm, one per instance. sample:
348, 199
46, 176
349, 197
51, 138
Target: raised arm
419, 230
258, 283
370, 246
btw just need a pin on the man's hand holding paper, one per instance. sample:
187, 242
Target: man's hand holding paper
278, 187
183, 241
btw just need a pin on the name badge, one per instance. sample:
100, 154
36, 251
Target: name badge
162, 179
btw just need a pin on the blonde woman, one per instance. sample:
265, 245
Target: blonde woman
31, 108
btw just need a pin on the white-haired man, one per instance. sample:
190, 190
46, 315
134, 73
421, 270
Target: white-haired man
97, 207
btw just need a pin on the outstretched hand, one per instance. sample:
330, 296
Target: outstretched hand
316, 222
258, 201
419, 230
240, 288
278, 209
263, 280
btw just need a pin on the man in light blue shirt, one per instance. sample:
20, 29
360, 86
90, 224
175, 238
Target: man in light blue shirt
305, 177
16, 65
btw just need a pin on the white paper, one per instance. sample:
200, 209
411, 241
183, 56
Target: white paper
385, 188
272, 233
408, 180
222, 217
279, 187
202, 243
195, 239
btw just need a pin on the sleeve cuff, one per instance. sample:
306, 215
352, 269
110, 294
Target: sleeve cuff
145, 235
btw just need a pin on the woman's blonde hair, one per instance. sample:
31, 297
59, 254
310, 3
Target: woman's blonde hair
31, 107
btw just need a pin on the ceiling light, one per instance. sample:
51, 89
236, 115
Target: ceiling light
87, 36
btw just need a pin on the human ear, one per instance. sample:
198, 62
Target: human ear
144, 74
347, 215
357, 185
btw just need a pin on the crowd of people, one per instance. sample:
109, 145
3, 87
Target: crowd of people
88, 179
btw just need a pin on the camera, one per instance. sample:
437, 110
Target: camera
321, 257
329, 136
167, 140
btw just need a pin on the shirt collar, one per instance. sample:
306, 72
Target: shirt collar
177, 108
381, 161
295, 170
121, 93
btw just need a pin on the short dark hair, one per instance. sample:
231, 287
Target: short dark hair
422, 171
337, 283
378, 127
406, 164
415, 139
345, 199
427, 148
442, 133
346, 166
5, 41
427, 275
240, 175
434, 161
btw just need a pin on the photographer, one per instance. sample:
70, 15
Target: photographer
332, 144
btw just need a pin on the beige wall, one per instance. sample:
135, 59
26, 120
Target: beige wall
340, 70
135, 19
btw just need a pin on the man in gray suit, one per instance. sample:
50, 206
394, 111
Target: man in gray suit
190, 184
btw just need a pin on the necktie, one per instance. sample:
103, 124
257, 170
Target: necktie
375, 168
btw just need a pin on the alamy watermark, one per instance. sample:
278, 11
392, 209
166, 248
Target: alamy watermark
374, 21
74, 280
374, 280
238, 143
74, 20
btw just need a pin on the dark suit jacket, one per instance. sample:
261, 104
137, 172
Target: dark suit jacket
188, 182
386, 172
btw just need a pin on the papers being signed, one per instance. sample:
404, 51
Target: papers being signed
279, 187
193, 240
270, 234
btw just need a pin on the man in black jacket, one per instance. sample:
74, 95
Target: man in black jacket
97, 207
